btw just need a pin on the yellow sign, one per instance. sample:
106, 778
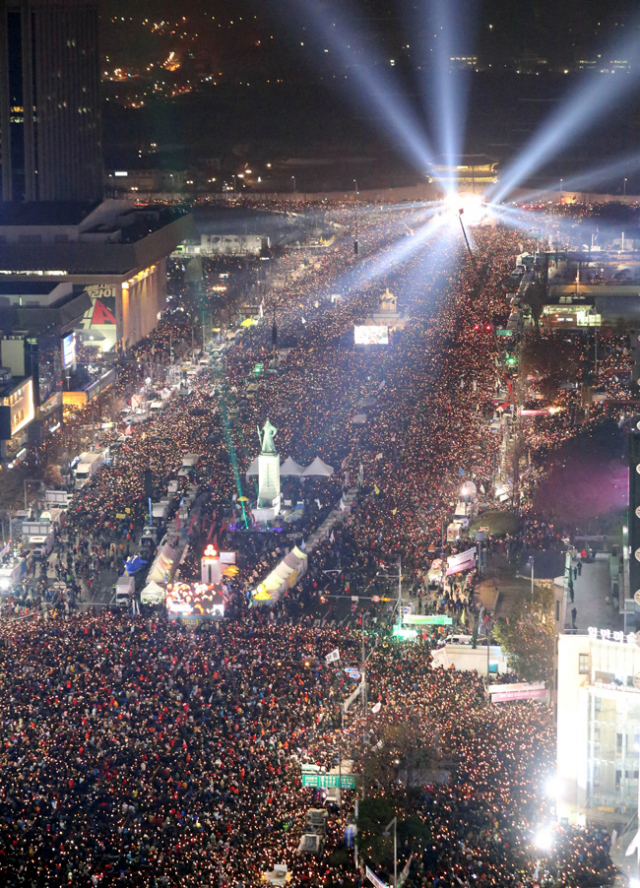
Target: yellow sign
120, 515
127, 510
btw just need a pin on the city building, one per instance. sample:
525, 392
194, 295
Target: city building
115, 251
16, 413
50, 112
598, 726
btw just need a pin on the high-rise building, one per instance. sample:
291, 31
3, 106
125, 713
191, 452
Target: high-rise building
50, 127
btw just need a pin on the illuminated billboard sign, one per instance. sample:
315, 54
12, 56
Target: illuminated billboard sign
371, 335
69, 350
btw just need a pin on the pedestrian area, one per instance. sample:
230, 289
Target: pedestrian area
592, 597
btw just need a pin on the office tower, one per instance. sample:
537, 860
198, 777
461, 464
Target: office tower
50, 100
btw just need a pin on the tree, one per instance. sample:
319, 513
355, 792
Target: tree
536, 297
404, 758
528, 635
374, 815
550, 360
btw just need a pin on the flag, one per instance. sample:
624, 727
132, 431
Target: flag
127, 431
376, 489
376, 709
634, 846
393, 511
379, 456
333, 656
461, 472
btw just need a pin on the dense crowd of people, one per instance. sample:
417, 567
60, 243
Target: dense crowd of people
138, 752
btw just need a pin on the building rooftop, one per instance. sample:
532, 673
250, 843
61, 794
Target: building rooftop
44, 213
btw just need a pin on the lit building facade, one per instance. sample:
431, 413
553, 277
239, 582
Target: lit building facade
115, 253
471, 173
598, 725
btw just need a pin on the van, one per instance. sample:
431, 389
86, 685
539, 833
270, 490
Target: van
149, 538
456, 639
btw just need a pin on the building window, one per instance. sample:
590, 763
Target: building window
583, 664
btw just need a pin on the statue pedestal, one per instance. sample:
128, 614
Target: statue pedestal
263, 514
268, 480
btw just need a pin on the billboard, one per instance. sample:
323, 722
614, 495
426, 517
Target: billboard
371, 334
68, 350
192, 602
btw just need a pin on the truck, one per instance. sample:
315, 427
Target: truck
160, 511
125, 591
88, 467
56, 498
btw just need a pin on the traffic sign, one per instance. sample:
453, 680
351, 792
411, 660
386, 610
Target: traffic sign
428, 619
502, 331
329, 781
375, 598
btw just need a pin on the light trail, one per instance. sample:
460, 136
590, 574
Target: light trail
444, 84
374, 87
596, 95
583, 181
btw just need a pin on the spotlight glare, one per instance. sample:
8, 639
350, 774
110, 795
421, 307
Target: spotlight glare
552, 787
470, 206
543, 839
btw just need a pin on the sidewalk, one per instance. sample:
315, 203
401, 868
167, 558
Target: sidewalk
591, 589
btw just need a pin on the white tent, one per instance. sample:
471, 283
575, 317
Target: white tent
253, 469
318, 468
153, 593
284, 575
162, 566
290, 467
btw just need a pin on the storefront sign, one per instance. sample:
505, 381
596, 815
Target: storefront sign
610, 635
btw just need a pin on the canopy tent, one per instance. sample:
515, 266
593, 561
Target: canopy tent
318, 468
284, 575
291, 467
253, 470
162, 566
152, 593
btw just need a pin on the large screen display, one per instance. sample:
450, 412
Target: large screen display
68, 350
191, 602
371, 335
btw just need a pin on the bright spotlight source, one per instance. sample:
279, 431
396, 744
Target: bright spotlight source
470, 206
552, 787
543, 839
634, 883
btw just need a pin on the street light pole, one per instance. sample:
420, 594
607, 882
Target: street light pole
295, 187
394, 824
624, 187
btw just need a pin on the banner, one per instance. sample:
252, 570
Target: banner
375, 881
332, 656
504, 693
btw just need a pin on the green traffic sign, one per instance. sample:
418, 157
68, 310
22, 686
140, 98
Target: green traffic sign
428, 620
502, 331
327, 781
